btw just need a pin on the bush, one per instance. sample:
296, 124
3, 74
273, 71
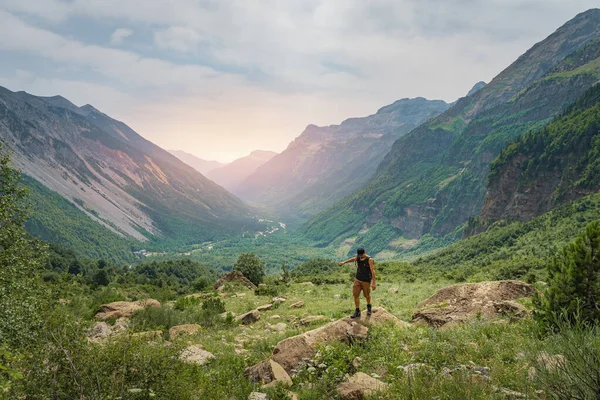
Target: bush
573, 281
266, 290
251, 267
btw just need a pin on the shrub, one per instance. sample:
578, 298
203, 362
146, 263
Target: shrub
266, 290
573, 281
251, 267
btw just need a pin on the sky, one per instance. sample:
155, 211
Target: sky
220, 78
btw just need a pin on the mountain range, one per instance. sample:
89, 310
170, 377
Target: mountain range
200, 165
109, 173
324, 164
231, 175
433, 180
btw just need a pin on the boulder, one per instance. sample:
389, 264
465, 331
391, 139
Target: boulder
291, 351
248, 318
234, 276
183, 330
195, 354
268, 373
458, 303
359, 386
276, 300
266, 307
297, 304
279, 327
312, 319
124, 309
393, 290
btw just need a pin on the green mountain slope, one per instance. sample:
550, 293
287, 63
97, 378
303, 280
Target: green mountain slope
549, 167
325, 164
433, 179
113, 175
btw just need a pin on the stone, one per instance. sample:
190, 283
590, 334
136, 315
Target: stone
195, 354
356, 362
234, 276
266, 307
393, 290
459, 303
297, 304
258, 396
126, 309
357, 333
268, 373
278, 327
275, 316
312, 319
359, 386
249, 317
184, 330
276, 300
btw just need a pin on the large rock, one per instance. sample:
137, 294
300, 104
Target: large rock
359, 386
266, 307
184, 330
234, 276
99, 332
196, 355
297, 304
458, 303
124, 309
249, 318
268, 373
291, 351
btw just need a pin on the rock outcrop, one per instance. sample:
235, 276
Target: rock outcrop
359, 386
458, 303
234, 276
124, 309
290, 352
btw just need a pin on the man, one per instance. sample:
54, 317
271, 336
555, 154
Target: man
364, 280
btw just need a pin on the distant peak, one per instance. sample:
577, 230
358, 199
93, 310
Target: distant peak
88, 109
405, 101
477, 87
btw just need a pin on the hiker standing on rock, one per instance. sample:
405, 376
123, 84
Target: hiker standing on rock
364, 280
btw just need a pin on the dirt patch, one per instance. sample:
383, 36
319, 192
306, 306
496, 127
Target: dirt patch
458, 303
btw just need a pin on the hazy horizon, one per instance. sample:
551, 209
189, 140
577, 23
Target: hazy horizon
219, 79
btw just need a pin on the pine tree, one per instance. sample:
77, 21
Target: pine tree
574, 281
251, 267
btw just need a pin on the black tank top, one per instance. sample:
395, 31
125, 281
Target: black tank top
363, 271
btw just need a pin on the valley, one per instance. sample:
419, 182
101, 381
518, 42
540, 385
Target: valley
131, 272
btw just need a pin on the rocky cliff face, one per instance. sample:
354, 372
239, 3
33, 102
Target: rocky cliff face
326, 163
548, 167
433, 179
111, 173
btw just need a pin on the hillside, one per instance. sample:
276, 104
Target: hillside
549, 167
123, 182
231, 175
200, 165
324, 164
433, 179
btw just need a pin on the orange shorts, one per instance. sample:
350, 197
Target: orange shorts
360, 285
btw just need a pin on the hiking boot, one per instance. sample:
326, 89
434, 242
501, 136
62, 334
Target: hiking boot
369, 309
356, 313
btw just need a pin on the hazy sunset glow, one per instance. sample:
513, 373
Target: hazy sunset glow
222, 78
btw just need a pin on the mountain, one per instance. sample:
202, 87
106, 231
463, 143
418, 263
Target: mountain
433, 179
324, 164
200, 165
231, 175
112, 175
477, 87
549, 167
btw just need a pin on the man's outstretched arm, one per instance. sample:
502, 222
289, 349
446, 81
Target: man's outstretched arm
347, 261
373, 280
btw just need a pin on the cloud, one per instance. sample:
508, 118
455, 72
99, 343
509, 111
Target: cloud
239, 74
119, 35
